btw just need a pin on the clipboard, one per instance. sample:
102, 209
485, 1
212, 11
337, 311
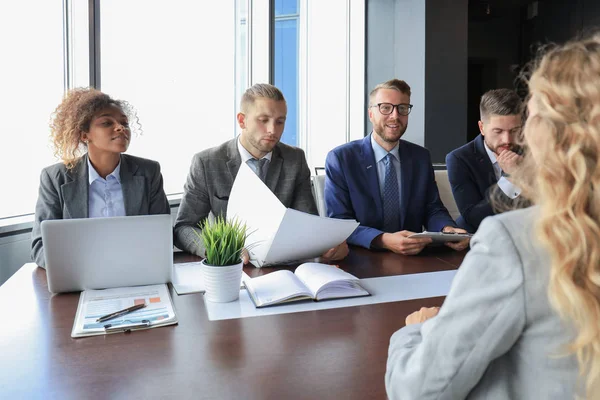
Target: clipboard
159, 310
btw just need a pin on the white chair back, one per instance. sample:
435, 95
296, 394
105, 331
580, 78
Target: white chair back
318, 188
443, 184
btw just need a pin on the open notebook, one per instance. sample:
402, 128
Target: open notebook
314, 281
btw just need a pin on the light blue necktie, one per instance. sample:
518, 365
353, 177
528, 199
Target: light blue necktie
259, 167
391, 197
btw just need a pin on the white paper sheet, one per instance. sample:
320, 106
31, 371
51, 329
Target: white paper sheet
383, 290
303, 235
279, 235
253, 203
187, 278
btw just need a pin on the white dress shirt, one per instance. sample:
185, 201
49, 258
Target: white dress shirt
105, 195
245, 155
504, 184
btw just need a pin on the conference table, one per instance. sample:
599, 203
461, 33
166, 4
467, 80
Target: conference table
336, 353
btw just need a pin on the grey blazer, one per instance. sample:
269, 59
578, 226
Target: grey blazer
496, 336
63, 194
211, 177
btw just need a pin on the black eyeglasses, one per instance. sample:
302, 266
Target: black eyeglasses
388, 108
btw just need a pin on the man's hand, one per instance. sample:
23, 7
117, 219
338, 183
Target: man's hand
245, 256
422, 315
508, 161
399, 242
337, 253
458, 246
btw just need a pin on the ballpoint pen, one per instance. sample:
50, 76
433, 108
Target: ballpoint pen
121, 312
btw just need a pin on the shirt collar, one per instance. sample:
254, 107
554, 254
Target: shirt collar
380, 152
490, 153
245, 154
93, 174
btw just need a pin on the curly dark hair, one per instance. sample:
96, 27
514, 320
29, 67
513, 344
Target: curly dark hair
74, 116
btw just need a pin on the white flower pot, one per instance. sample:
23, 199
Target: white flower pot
222, 283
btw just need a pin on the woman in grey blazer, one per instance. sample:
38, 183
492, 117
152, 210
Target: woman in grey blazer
90, 132
522, 319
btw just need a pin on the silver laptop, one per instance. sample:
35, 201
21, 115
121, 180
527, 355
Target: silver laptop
99, 253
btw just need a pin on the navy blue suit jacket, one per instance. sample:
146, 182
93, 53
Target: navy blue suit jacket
352, 190
472, 178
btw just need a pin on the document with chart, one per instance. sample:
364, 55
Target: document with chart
279, 234
153, 308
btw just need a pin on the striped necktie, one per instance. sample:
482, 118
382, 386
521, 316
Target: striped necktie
259, 167
391, 197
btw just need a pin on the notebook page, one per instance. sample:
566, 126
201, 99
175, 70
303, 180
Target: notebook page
275, 287
317, 275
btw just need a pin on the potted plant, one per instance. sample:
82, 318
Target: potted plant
222, 268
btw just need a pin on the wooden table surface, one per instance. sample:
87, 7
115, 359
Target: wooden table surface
335, 354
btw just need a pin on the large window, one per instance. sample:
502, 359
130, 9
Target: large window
32, 82
286, 63
183, 65
174, 62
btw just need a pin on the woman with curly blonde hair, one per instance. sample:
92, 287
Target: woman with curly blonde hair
522, 319
90, 132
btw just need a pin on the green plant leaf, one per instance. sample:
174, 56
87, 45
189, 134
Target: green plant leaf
223, 240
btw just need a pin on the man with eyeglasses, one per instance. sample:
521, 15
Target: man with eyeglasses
481, 169
385, 183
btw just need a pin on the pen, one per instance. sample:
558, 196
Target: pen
121, 312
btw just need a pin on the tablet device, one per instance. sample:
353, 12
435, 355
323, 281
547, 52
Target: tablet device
442, 237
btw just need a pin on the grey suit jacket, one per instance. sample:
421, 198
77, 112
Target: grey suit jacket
63, 194
211, 177
496, 336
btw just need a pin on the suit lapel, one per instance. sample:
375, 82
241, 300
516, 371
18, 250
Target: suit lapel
234, 162
75, 192
406, 172
483, 160
133, 186
274, 169
369, 168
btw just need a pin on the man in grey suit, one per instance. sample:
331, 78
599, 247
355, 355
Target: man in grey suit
283, 168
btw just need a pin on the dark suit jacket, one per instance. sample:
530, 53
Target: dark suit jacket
63, 194
352, 190
211, 177
472, 179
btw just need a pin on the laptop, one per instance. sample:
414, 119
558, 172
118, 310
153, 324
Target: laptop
100, 253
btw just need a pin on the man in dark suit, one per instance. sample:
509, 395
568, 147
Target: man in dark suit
481, 168
385, 183
283, 168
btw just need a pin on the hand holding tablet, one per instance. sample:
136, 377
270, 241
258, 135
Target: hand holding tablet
442, 237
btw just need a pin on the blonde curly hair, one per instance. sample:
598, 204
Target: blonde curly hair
74, 115
562, 175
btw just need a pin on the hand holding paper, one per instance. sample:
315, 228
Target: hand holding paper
279, 234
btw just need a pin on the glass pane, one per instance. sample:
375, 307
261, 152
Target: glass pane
176, 65
283, 7
32, 82
286, 63
241, 58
